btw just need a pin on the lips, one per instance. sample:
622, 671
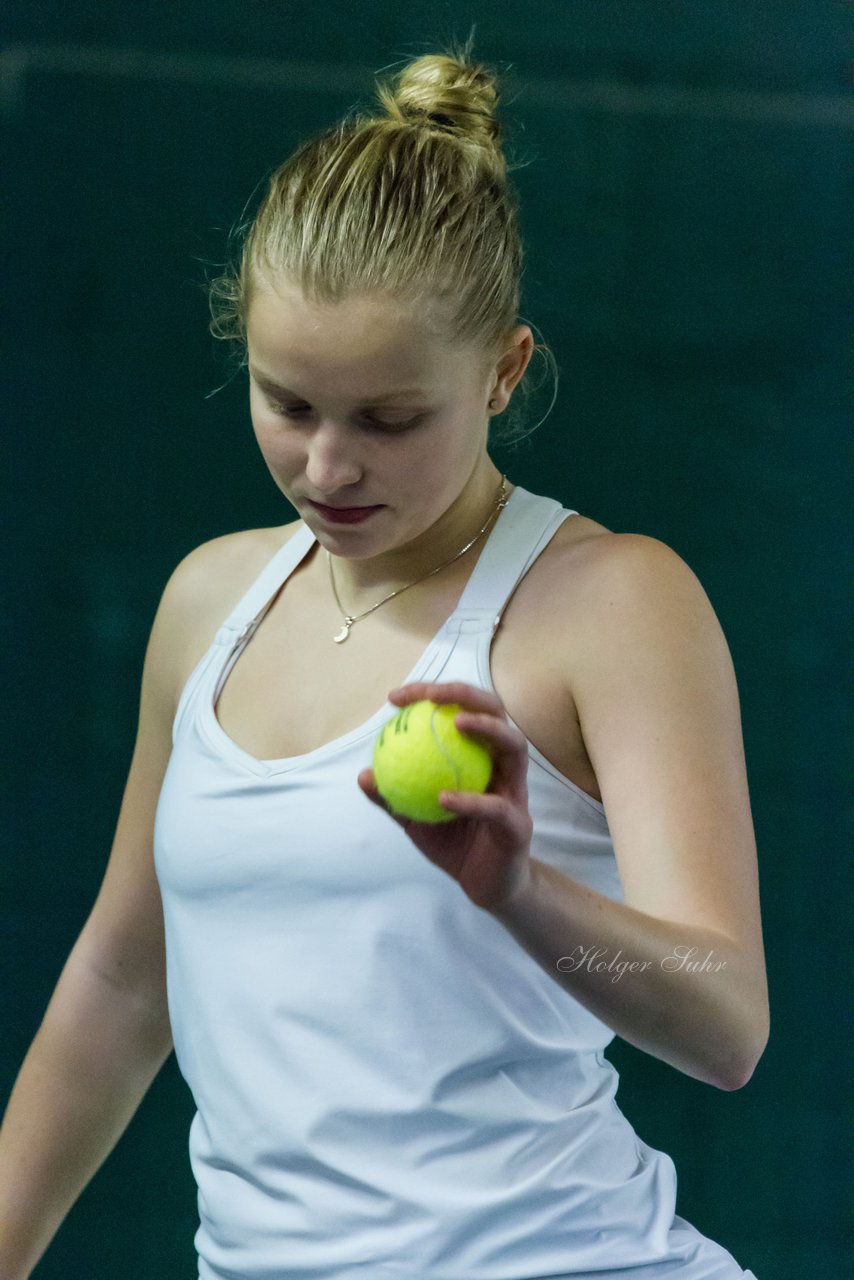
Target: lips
344, 515
326, 508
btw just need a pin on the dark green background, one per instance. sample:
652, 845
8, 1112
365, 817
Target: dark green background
685, 214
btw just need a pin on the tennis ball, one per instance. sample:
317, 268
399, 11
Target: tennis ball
420, 752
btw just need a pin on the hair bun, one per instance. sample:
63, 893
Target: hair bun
448, 92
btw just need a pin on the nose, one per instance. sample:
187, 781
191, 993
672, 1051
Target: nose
331, 463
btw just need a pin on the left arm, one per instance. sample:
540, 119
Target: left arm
658, 704
657, 701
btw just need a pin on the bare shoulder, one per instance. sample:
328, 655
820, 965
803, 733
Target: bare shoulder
215, 568
572, 563
207, 584
602, 562
611, 592
558, 588
647, 648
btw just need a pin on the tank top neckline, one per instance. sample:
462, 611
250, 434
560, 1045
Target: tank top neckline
243, 621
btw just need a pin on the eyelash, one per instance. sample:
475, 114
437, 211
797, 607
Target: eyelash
283, 412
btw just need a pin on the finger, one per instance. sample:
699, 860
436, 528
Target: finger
491, 807
368, 786
491, 730
467, 695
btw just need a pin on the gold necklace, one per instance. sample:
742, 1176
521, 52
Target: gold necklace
349, 619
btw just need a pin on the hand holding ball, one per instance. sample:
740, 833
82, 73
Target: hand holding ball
419, 753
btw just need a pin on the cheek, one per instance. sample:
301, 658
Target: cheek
464, 436
278, 448
433, 457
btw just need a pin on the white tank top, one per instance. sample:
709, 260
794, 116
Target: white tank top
388, 1087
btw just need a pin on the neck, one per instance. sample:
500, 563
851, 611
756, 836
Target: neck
362, 581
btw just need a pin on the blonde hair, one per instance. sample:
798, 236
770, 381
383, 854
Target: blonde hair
415, 203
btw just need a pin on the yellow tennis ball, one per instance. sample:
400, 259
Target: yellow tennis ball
421, 752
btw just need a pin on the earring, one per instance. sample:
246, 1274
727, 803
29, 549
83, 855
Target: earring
492, 404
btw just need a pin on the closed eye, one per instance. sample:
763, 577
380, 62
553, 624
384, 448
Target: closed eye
300, 411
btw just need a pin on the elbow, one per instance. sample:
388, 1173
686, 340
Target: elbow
735, 1080
742, 1045
742, 1060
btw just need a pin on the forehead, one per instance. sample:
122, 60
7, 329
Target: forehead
364, 336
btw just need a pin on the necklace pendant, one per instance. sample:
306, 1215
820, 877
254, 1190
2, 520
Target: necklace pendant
342, 635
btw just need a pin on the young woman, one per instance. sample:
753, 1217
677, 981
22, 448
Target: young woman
394, 1031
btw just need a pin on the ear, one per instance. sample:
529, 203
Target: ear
516, 352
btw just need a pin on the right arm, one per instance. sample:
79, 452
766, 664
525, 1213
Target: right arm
106, 1033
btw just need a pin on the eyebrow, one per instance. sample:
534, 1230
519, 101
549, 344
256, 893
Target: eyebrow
368, 401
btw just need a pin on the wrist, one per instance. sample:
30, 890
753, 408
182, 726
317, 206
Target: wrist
517, 902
